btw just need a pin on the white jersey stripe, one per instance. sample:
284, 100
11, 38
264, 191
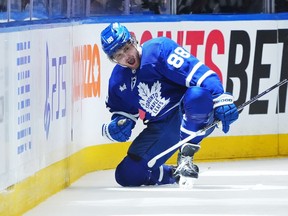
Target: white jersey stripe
161, 173
128, 115
190, 76
208, 73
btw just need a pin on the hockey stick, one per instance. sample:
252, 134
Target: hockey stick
202, 131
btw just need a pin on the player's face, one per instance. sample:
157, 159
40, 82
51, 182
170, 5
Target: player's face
128, 56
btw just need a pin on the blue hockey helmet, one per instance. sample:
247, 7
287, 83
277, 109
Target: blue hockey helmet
114, 37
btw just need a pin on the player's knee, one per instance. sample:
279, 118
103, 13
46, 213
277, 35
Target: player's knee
132, 173
197, 100
198, 108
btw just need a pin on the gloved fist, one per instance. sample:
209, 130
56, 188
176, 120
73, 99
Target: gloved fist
119, 129
225, 110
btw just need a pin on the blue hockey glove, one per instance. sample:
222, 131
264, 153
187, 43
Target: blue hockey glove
119, 129
225, 110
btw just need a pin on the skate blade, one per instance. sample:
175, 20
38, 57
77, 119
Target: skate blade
186, 182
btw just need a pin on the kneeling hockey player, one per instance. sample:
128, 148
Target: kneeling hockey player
177, 93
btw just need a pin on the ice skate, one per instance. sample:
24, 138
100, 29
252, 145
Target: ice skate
186, 172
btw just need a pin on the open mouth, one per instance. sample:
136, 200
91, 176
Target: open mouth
131, 61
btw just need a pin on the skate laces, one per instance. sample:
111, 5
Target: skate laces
185, 164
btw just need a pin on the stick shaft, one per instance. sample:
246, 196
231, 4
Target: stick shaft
252, 100
197, 133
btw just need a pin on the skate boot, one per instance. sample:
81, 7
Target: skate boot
186, 172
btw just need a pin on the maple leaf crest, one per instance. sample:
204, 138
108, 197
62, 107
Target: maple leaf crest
151, 100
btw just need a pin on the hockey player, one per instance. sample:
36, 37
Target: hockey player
177, 93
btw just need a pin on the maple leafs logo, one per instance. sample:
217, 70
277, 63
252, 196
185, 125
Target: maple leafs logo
151, 100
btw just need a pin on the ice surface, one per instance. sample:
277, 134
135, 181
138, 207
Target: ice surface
238, 188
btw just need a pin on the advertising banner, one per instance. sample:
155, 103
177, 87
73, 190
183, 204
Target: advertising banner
35, 101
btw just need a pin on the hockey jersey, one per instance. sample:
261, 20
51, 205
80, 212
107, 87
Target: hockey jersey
157, 86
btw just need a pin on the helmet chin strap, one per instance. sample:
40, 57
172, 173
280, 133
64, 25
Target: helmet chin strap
139, 49
136, 45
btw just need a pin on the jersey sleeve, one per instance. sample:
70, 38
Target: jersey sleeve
185, 69
119, 103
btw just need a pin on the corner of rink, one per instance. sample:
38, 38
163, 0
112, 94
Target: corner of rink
24, 195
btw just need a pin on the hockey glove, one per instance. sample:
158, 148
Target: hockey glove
225, 110
119, 129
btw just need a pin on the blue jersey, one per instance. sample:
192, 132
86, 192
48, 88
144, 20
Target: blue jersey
157, 86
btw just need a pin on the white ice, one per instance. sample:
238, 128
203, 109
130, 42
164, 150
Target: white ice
238, 188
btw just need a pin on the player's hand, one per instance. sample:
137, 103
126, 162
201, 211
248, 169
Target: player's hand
119, 129
225, 110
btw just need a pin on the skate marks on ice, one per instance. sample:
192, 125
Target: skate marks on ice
256, 187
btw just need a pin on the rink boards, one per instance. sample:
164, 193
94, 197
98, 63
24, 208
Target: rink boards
53, 84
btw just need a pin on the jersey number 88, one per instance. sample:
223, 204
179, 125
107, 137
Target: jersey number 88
176, 59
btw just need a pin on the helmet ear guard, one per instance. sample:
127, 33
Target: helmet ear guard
113, 37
